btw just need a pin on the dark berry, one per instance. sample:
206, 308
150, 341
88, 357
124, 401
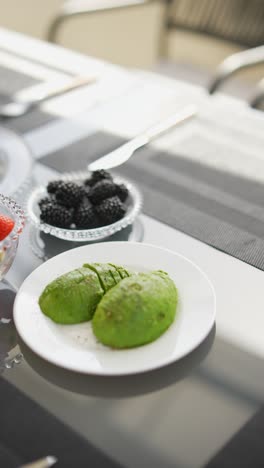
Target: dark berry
122, 192
102, 190
110, 210
56, 215
97, 176
46, 201
85, 203
88, 183
86, 190
85, 217
54, 185
70, 194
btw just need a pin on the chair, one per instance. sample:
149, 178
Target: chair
232, 25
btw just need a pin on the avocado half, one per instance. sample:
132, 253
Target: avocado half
73, 297
136, 311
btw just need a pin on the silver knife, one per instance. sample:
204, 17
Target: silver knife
17, 108
45, 462
124, 152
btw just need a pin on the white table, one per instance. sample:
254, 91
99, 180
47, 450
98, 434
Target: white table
239, 286
150, 98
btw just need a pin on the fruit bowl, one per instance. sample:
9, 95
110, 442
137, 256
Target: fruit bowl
133, 206
8, 245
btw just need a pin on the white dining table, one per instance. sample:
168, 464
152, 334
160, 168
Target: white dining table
124, 102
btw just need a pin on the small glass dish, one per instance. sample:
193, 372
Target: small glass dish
8, 246
16, 164
133, 207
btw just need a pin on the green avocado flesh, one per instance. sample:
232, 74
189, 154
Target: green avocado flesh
107, 274
73, 297
121, 271
114, 273
127, 310
136, 311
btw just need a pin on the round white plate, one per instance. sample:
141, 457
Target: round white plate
15, 163
74, 347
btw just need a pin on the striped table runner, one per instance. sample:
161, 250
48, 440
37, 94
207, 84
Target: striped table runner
205, 179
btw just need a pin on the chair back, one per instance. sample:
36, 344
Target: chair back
237, 21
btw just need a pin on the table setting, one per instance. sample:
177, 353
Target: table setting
101, 165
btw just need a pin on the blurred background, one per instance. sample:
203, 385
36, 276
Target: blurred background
186, 39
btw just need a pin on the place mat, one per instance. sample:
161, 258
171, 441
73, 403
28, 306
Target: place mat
36, 60
245, 449
8, 459
216, 207
28, 432
12, 81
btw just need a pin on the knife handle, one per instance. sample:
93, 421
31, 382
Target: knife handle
75, 83
175, 119
45, 462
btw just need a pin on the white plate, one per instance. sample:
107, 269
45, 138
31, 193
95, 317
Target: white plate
15, 163
74, 347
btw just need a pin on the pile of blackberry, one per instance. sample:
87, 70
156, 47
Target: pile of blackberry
96, 202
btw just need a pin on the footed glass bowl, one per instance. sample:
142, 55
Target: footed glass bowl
8, 246
133, 207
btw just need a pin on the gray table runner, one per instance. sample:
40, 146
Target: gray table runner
12, 81
30, 433
220, 209
245, 449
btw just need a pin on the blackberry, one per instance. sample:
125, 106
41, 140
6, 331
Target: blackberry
70, 194
85, 203
86, 190
110, 210
56, 215
85, 217
88, 183
54, 185
122, 192
102, 190
46, 201
97, 176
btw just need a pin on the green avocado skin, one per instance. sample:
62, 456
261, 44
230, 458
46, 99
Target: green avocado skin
72, 298
136, 311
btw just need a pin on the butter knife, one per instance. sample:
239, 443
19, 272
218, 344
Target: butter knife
124, 152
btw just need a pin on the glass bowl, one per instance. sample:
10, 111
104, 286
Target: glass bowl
133, 207
16, 164
8, 246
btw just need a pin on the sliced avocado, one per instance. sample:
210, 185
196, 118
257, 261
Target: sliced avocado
103, 271
114, 273
136, 311
73, 297
123, 273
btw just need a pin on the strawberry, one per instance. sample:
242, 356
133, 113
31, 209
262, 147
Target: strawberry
6, 226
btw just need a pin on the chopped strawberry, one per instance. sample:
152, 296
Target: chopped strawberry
6, 226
